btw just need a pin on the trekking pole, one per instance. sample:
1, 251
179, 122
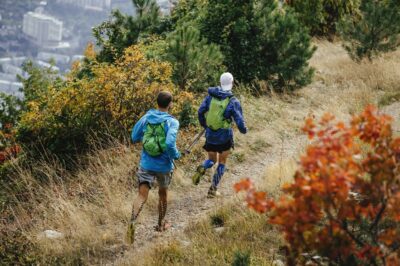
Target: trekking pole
196, 139
188, 149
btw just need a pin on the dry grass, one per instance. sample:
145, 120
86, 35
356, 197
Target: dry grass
242, 231
209, 243
341, 87
91, 206
334, 67
348, 86
278, 174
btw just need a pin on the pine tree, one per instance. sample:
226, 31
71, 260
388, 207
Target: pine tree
196, 64
122, 31
260, 40
231, 25
321, 16
285, 48
376, 31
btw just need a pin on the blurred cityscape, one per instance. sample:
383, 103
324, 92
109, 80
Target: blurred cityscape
54, 31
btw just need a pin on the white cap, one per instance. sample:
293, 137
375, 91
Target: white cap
226, 81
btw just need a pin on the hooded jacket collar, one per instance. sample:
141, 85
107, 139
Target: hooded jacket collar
217, 92
155, 116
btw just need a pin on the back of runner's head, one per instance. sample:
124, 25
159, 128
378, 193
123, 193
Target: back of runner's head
226, 81
164, 99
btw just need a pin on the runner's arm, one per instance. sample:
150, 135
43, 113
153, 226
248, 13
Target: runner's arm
172, 133
137, 130
237, 115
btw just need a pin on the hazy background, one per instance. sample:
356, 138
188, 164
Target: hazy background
76, 17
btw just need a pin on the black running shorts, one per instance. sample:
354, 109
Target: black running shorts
219, 147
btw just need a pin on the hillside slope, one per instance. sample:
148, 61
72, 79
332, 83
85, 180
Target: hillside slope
92, 210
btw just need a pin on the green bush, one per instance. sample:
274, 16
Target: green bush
321, 16
375, 31
10, 109
259, 41
15, 249
231, 25
187, 115
196, 64
121, 31
64, 119
241, 258
285, 48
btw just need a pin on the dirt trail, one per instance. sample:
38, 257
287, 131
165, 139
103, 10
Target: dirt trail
192, 205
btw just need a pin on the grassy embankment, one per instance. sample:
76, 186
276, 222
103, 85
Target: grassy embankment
92, 208
341, 87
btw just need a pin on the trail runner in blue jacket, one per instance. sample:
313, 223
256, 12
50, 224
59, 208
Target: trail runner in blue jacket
216, 113
157, 130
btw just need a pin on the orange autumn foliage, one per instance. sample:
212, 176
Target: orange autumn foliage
8, 147
344, 204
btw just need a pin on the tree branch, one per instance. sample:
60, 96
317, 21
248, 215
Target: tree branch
378, 216
352, 236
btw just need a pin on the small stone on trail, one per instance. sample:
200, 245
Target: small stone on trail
219, 230
52, 234
278, 263
185, 243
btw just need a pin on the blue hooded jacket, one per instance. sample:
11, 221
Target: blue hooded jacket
232, 112
164, 162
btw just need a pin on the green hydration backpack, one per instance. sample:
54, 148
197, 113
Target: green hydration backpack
154, 139
215, 115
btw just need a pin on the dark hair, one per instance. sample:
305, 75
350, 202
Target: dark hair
163, 99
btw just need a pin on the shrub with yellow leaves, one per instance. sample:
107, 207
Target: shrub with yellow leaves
104, 104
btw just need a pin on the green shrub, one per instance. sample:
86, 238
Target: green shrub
187, 115
63, 120
376, 31
196, 64
241, 258
321, 16
15, 249
219, 218
285, 48
230, 24
121, 31
259, 41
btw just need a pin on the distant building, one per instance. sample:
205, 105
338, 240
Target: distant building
16, 61
8, 77
77, 58
11, 69
46, 65
11, 88
89, 4
5, 86
44, 29
5, 60
58, 58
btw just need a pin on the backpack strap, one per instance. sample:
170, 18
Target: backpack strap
230, 100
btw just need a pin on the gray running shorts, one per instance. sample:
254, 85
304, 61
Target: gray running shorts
145, 176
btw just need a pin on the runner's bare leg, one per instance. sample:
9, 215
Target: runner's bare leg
140, 200
213, 156
162, 207
223, 157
